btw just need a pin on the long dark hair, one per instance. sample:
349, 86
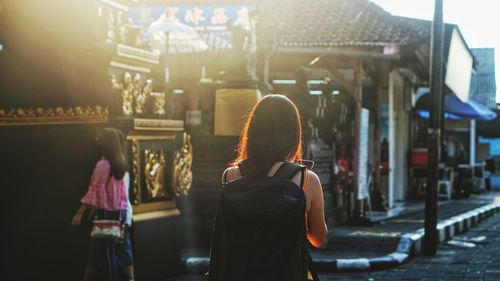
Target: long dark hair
272, 133
110, 142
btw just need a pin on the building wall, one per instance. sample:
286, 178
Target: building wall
45, 171
49, 60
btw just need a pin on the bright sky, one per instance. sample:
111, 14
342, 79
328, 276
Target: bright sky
478, 20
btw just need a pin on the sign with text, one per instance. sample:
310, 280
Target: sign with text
201, 18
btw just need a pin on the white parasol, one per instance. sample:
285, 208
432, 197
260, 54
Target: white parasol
169, 36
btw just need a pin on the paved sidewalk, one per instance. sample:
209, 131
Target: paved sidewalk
453, 262
383, 239
348, 242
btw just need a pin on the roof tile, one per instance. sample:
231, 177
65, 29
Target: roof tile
336, 23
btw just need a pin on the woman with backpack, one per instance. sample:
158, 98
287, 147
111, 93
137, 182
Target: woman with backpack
270, 204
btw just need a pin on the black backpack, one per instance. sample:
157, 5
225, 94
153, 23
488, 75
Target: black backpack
259, 230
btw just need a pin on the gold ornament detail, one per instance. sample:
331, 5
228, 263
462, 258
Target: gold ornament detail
57, 115
182, 175
134, 93
135, 170
142, 95
126, 91
154, 172
159, 105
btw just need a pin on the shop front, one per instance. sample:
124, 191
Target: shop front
462, 172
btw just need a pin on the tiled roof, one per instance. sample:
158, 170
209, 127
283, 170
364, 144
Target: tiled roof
325, 23
483, 86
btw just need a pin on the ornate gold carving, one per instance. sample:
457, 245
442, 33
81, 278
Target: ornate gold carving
134, 94
137, 93
142, 124
142, 95
135, 170
57, 115
127, 89
116, 23
159, 105
182, 176
154, 172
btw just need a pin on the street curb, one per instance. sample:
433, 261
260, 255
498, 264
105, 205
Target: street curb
410, 245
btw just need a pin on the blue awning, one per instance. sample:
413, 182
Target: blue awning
455, 109
425, 114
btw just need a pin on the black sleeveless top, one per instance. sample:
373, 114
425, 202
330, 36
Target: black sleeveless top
259, 231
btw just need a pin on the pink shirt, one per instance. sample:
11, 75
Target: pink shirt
106, 192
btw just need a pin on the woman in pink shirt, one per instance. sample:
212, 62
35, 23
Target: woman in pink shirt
107, 198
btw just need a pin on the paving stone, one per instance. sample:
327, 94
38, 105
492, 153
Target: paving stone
451, 278
450, 263
414, 275
433, 274
392, 278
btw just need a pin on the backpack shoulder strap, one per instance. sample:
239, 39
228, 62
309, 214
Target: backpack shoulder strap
287, 170
224, 176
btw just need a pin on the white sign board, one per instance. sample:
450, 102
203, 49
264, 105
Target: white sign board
362, 172
459, 67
